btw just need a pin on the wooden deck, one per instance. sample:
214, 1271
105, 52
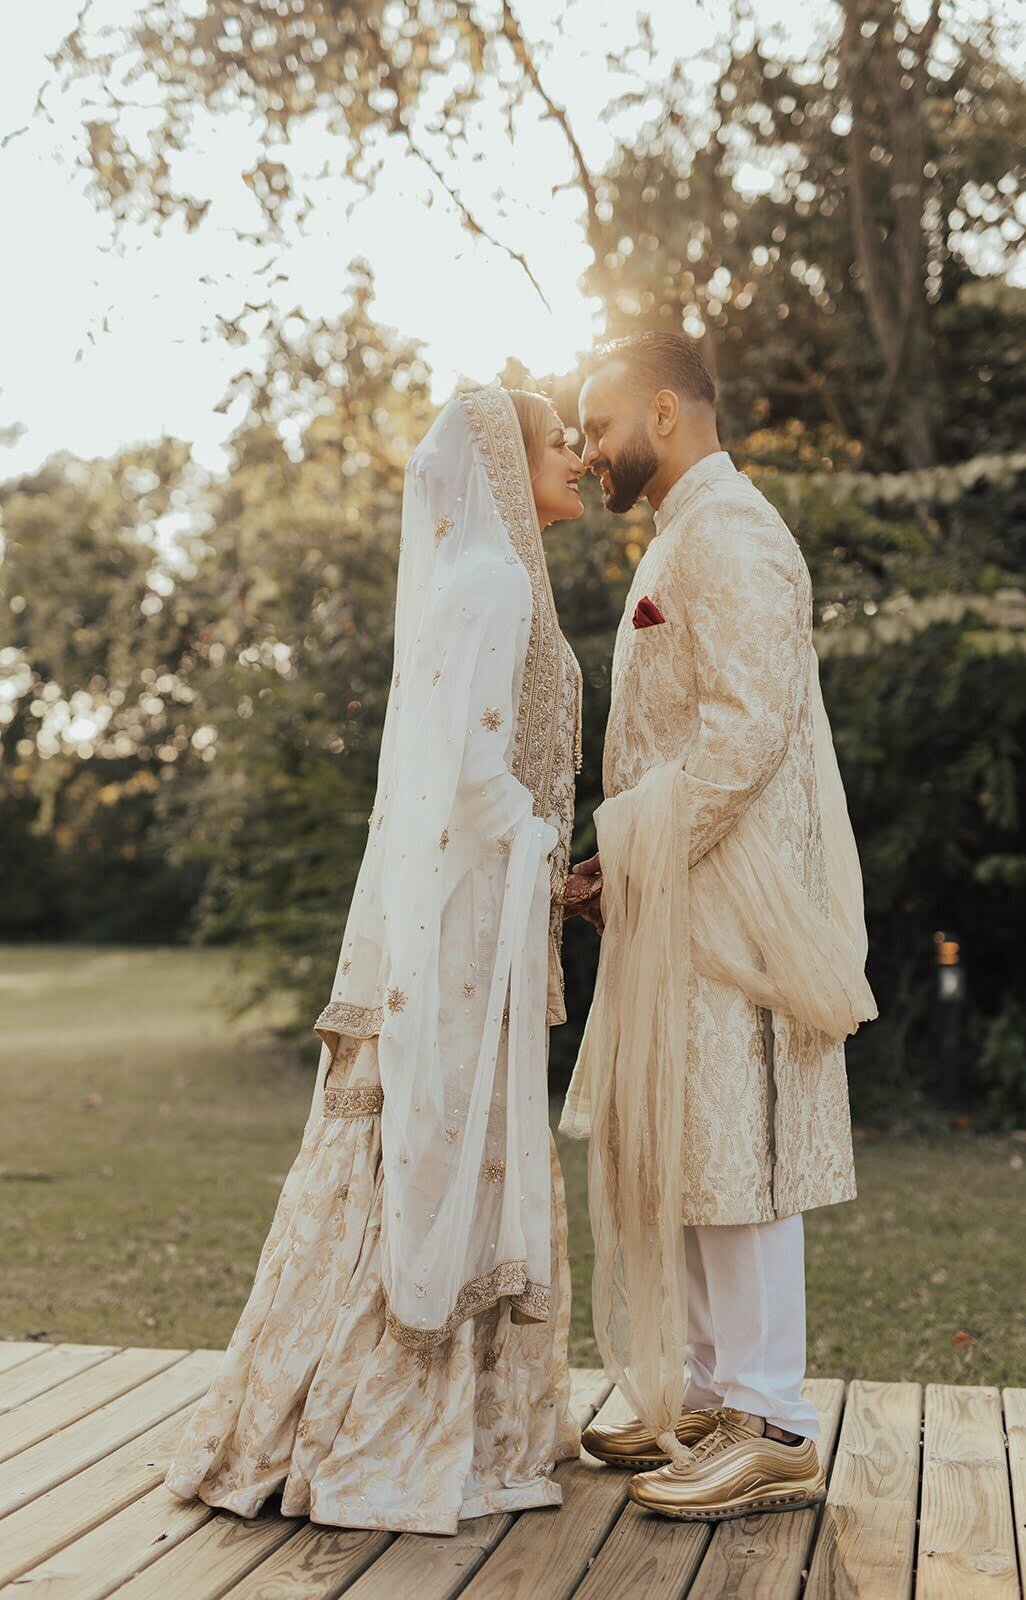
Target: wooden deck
927, 1498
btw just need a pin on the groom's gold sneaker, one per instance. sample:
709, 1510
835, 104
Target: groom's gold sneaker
734, 1470
634, 1446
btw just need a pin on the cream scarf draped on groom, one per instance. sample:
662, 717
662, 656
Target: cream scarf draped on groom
727, 854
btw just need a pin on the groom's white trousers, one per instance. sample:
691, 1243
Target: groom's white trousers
746, 1321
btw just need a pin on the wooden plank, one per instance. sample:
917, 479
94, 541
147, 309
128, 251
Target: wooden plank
62, 1361
866, 1534
315, 1564
15, 1351
53, 1460
435, 1568
966, 1537
57, 1409
92, 1567
645, 1555
70, 1509
758, 1557
589, 1389
220, 1552
1015, 1432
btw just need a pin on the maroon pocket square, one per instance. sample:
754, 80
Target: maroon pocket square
647, 613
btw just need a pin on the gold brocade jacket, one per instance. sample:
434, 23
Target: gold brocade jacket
722, 687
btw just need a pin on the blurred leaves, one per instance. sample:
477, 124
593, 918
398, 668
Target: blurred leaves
195, 670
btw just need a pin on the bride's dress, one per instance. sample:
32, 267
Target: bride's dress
315, 1397
401, 1361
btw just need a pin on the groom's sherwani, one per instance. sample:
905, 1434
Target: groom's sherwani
721, 686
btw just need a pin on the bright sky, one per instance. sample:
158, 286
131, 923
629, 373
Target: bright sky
107, 339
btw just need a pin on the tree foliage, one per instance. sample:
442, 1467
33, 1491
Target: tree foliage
228, 641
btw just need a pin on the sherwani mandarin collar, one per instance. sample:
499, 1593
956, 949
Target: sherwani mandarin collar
710, 469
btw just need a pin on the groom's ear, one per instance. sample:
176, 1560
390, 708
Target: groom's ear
667, 410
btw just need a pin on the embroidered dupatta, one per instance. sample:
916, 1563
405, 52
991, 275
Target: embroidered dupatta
445, 952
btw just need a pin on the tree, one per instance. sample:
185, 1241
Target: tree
94, 706
837, 296
410, 72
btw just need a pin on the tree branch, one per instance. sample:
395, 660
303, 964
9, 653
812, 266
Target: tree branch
390, 77
511, 28
866, 247
470, 221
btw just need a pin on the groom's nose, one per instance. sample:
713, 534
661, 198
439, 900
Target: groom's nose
590, 456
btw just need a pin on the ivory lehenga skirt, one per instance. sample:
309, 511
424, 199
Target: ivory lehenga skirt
317, 1400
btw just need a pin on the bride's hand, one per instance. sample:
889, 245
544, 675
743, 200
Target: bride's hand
583, 895
584, 904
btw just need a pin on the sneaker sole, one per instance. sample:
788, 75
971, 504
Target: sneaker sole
629, 1463
782, 1502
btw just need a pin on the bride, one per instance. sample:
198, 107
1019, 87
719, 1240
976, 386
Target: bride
401, 1361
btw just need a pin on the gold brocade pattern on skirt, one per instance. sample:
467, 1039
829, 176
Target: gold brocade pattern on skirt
317, 1399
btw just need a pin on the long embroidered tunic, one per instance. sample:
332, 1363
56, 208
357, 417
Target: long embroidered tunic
718, 687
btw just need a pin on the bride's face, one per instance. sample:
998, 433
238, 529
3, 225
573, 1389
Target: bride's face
556, 494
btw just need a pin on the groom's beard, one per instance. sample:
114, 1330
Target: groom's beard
636, 464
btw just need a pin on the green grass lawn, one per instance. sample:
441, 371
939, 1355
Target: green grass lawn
146, 1137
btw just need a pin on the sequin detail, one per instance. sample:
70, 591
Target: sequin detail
395, 1000
491, 718
493, 1171
443, 526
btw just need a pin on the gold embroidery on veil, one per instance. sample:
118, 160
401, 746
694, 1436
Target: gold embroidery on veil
494, 424
550, 662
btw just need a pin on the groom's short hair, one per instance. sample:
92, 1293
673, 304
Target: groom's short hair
657, 361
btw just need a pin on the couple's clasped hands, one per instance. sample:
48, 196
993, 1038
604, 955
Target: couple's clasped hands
582, 896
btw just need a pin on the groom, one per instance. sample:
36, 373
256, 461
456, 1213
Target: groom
716, 635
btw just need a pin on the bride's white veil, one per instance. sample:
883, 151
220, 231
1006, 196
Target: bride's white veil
445, 949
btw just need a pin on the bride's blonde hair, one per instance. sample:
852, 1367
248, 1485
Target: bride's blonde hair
536, 415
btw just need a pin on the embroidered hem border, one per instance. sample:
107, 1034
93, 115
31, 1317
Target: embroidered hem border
480, 1294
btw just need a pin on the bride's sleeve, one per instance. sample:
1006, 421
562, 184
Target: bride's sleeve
749, 612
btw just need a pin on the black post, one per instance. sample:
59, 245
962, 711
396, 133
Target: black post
950, 1002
